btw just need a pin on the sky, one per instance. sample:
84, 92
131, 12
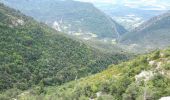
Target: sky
144, 4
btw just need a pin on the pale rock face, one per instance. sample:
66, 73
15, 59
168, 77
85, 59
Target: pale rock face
161, 54
113, 41
162, 72
56, 26
132, 46
168, 61
159, 65
151, 63
20, 21
144, 75
98, 94
86, 38
24, 93
165, 98
92, 35
78, 34
17, 22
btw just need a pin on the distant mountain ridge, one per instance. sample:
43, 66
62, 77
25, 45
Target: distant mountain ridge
151, 22
127, 16
152, 34
73, 17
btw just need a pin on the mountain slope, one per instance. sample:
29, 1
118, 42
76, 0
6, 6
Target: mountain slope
31, 53
129, 16
154, 33
144, 78
73, 17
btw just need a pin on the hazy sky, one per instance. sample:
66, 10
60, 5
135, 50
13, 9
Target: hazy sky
150, 4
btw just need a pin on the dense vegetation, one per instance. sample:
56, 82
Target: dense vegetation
144, 78
37, 61
72, 16
32, 53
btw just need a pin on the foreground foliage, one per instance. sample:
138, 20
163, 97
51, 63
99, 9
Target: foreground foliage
118, 82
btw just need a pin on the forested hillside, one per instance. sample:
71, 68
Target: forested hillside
38, 61
32, 53
147, 77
